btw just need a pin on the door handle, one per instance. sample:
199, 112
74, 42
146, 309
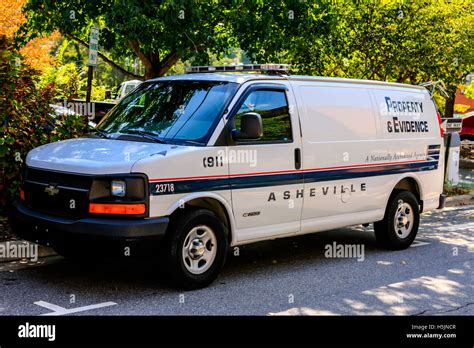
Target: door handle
297, 158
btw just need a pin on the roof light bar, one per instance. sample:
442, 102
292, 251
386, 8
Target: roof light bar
281, 68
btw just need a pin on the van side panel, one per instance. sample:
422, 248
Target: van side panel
353, 154
352, 160
410, 128
339, 133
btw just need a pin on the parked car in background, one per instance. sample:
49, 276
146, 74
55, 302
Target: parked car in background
126, 87
467, 128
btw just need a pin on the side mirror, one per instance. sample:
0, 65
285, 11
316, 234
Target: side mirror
250, 127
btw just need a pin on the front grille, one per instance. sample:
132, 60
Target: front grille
64, 179
57, 193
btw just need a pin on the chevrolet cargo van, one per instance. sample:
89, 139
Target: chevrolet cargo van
203, 162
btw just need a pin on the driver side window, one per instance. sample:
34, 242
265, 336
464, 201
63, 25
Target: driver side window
273, 108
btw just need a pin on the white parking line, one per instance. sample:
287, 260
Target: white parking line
58, 310
418, 243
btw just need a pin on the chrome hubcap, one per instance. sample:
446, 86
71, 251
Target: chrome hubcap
196, 249
199, 249
404, 218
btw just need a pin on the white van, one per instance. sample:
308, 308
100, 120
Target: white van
125, 88
202, 162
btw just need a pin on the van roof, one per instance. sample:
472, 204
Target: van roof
242, 78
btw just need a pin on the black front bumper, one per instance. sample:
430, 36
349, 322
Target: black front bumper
99, 234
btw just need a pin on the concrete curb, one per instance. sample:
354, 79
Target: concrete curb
459, 200
39, 250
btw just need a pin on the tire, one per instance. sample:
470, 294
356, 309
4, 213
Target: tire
195, 248
403, 210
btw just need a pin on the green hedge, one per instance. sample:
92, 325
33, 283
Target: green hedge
26, 119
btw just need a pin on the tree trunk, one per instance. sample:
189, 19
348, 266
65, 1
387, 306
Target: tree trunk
449, 106
154, 65
150, 72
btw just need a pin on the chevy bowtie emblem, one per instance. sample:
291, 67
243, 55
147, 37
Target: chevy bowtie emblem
51, 190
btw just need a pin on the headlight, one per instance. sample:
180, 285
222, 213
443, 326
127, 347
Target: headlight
118, 188
112, 189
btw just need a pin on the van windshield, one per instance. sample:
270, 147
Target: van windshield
177, 112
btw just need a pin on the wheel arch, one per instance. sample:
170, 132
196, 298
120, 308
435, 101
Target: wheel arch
409, 183
210, 201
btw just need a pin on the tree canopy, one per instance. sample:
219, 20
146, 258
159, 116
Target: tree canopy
158, 33
404, 41
36, 51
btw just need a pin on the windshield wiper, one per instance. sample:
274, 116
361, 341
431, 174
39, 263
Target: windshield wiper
102, 133
144, 134
193, 142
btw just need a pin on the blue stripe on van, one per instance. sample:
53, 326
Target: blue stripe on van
433, 152
342, 174
299, 177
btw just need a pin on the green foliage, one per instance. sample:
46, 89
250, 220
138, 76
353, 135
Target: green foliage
233, 56
65, 78
402, 41
440, 101
158, 33
469, 90
461, 108
69, 74
97, 93
275, 31
26, 119
70, 54
409, 42
460, 189
70, 83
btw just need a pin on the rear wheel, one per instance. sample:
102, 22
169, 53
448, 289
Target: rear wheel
399, 227
195, 249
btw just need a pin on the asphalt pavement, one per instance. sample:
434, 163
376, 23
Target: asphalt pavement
283, 277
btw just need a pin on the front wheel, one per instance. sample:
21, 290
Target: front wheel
399, 227
195, 249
